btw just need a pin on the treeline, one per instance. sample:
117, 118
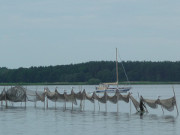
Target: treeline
94, 72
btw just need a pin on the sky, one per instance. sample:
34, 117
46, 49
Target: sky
60, 32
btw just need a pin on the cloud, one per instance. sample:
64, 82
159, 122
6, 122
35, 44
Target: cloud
99, 25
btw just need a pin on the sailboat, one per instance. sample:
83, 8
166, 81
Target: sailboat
113, 86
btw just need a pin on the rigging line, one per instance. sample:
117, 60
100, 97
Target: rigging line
124, 69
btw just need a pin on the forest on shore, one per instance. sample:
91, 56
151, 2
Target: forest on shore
94, 72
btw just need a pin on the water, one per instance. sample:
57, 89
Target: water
18, 120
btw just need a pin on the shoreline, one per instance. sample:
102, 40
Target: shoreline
86, 83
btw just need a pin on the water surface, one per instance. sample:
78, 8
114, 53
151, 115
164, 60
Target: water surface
19, 120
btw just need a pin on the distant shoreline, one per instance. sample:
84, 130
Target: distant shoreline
86, 83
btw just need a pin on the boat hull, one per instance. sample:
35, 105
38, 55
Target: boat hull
113, 90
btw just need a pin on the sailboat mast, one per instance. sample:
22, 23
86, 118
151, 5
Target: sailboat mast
117, 69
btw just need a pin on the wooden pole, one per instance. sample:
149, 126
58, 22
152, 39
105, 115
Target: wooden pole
161, 105
72, 106
36, 99
6, 101
94, 106
83, 101
106, 100
175, 100
81, 105
162, 109
55, 104
2, 100
130, 105
130, 102
98, 103
64, 100
84, 105
46, 103
65, 104
25, 96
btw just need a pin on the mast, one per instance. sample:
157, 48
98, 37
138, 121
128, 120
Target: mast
117, 69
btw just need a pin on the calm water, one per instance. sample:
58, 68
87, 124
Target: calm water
18, 120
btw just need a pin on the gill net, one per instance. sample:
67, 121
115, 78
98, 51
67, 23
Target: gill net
167, 104
102, 99
113, 99
125, 98
20, 94
34, 96
151, 103
135, 103
70, 97
16, 94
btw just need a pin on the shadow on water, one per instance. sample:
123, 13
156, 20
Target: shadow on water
154, 117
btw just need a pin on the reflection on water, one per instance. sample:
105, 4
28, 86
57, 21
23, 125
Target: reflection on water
17, 119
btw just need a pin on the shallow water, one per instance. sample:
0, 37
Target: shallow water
19, 120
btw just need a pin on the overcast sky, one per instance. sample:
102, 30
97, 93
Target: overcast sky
58, 32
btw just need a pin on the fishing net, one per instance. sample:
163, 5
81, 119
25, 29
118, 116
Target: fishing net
95, 96
125, 98
79, 95
151, 103
102, 99
16, 94
60, 97
168, 104
34, 96
135, 103
40, 96
70, 97
90, 97
114, 99
54, 96
20, 94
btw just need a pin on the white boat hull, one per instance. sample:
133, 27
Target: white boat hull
113, 90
